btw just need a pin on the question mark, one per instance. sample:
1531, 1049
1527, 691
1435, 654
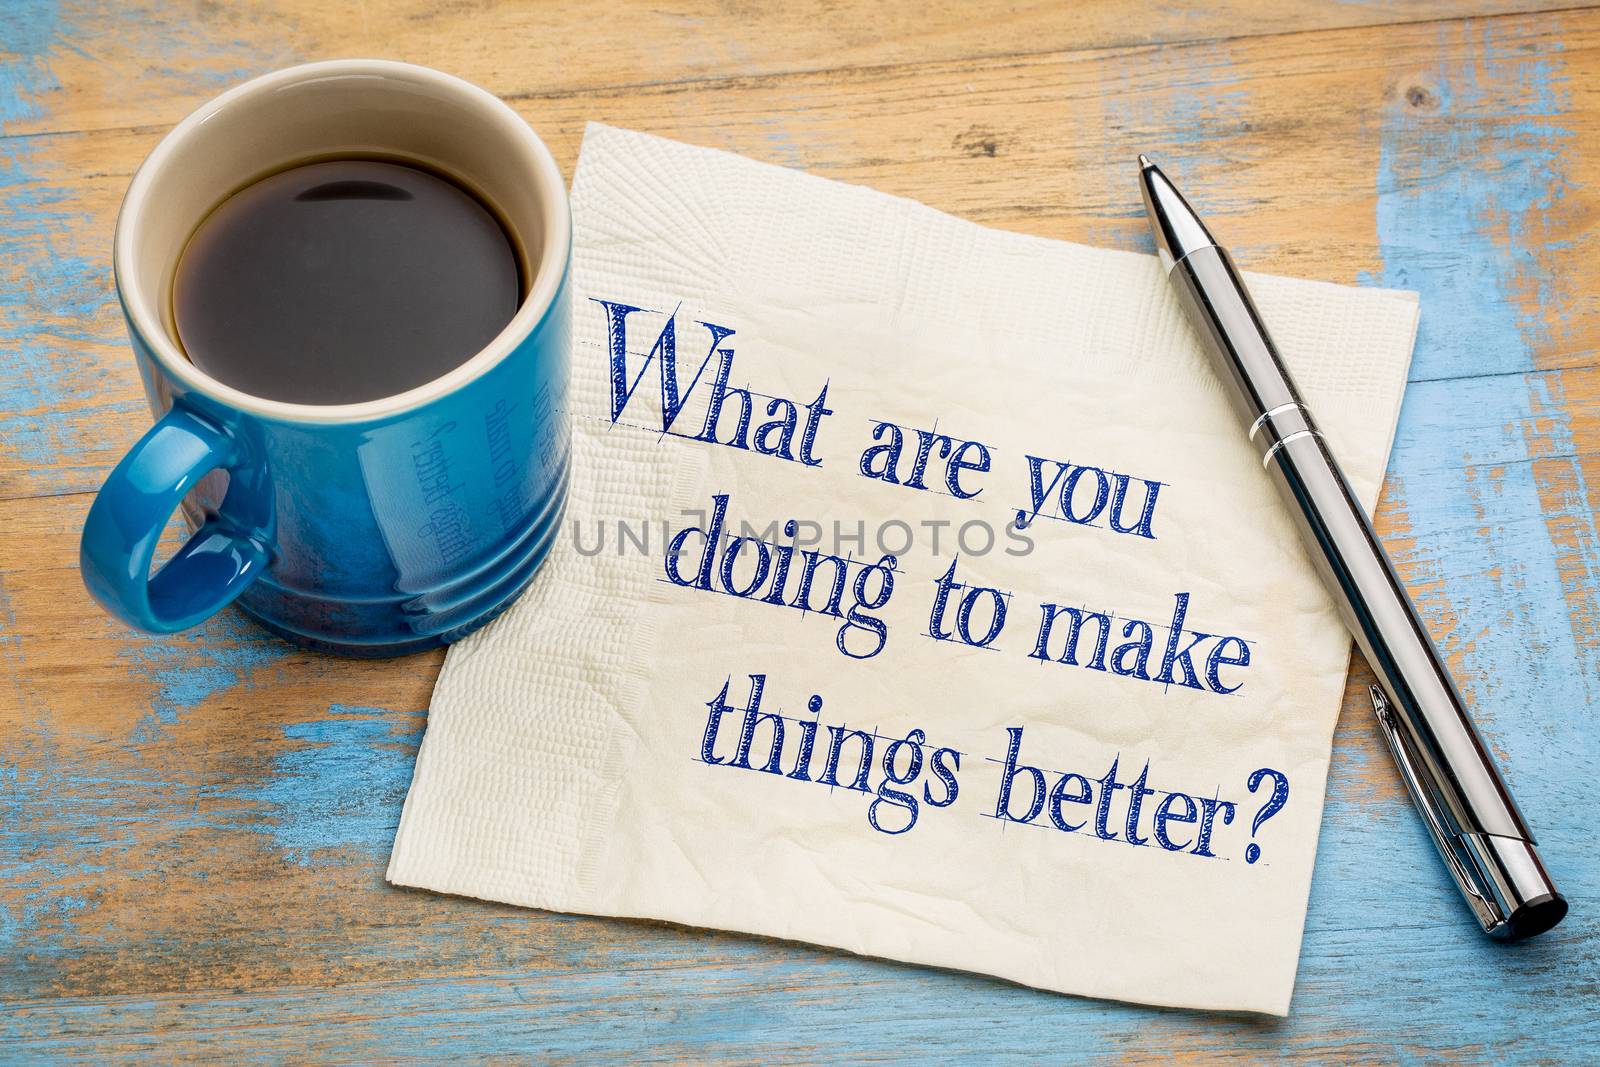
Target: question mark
1274, 804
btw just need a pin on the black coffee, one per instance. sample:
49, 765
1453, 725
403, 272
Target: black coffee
334, 283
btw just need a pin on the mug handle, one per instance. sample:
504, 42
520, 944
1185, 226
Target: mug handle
130, 513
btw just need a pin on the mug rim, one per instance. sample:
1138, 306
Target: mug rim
548, 273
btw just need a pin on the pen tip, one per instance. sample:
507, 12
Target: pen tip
1144, 161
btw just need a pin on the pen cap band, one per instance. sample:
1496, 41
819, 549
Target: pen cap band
1281, 426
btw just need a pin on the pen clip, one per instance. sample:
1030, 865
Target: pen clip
1472, 889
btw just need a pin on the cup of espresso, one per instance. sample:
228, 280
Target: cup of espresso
345, 285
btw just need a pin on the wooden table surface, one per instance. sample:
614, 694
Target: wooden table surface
193, 829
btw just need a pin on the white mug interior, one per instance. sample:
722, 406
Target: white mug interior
339, 108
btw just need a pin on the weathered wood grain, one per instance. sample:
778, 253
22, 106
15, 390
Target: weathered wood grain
98, 65
193, 829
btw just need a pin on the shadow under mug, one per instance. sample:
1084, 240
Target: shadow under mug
370, 529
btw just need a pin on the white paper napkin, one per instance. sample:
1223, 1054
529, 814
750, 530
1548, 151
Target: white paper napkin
567, 763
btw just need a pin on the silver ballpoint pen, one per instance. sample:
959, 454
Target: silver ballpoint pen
1468, 811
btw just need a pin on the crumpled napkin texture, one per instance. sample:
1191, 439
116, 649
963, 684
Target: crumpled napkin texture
562, 765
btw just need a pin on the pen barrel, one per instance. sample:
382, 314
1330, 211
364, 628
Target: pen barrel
1428, 714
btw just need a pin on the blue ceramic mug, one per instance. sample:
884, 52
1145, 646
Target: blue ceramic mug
370, 529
